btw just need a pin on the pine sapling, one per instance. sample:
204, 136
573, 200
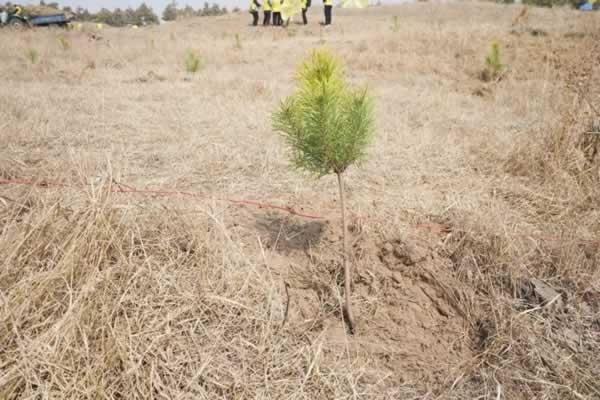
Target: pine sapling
32, 55
493, 64
396, 24
64, 43
193, 61
327, 126
238, 42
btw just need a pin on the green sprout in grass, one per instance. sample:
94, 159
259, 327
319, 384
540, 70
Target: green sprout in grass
64, 43
32, 55
327, 126
193, 61
395, 24
238, 42
493, 64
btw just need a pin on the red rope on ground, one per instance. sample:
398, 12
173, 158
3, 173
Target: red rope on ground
161, 192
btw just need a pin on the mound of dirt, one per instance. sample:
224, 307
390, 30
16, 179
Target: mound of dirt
410, 309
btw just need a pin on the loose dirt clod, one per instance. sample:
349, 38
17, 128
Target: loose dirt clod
409, 302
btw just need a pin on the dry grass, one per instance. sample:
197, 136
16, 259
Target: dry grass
474, 193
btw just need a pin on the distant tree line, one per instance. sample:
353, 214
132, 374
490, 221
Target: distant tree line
142, 15
173, 12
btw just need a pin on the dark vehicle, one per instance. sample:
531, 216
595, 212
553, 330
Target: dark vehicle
18, 20
49, 20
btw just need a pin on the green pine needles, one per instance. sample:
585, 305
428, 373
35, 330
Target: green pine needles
32, 55
193, 61
64, 43
327, 126
396, 24
493, 64
238, 42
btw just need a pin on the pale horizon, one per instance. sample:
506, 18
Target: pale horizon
157, 5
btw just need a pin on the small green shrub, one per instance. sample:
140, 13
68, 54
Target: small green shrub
193, 61
32, 55
64, 43
395, 24
493, 64
238, 42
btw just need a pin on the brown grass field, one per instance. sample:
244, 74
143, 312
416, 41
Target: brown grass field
475, 224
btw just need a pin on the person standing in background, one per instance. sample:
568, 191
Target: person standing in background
267, 12
305, 5
254, 7
276, 7
328, 10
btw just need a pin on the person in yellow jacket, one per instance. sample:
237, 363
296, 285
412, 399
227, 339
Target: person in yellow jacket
328, 9
254, 7
276, 7
305, 5
267, 12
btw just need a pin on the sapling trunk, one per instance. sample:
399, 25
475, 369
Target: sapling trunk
349, 317
327, 125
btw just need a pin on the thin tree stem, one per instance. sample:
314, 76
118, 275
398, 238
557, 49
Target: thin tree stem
347, 271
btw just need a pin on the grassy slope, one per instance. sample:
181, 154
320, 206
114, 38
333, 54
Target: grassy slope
113, 296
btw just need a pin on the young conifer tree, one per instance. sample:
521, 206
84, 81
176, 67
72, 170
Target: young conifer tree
327, 126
